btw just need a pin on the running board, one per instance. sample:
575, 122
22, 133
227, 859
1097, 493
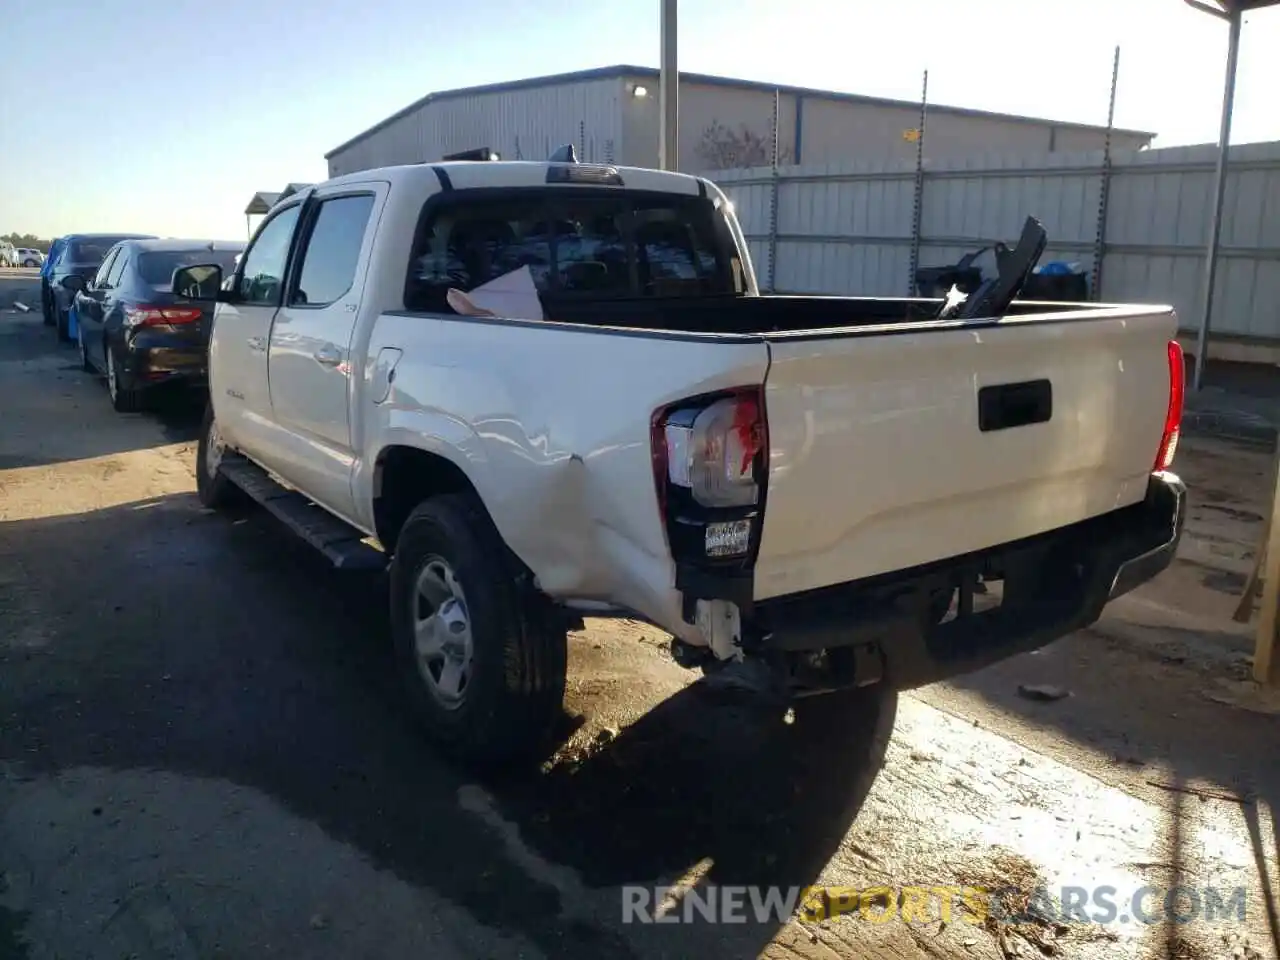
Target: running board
344, 545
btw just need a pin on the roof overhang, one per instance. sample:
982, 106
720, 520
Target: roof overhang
262, 202
1226, 9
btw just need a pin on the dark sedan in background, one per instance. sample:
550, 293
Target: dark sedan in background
133, 327
80, 256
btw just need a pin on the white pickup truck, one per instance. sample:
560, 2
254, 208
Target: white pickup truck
806, 492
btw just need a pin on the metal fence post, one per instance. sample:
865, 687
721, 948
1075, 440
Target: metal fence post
773, 199
1219, 193
1104, 193
917, 206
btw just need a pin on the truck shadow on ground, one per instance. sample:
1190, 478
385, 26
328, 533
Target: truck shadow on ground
699, 781
221, 647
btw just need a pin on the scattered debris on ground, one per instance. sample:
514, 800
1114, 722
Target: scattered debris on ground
1045, 693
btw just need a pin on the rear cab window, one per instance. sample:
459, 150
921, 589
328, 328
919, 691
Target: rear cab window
577, 244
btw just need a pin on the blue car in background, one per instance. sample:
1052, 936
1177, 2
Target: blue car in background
46, 269
80, 255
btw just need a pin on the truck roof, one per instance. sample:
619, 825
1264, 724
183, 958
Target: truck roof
470, 174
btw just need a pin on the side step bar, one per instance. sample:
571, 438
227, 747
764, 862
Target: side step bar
344, 545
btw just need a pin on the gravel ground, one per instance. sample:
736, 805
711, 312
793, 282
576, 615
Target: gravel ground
203, 752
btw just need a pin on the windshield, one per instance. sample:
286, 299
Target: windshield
156, 267
583, 245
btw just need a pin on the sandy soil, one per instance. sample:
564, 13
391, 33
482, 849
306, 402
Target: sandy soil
203, 752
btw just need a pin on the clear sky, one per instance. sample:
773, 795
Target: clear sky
164, 116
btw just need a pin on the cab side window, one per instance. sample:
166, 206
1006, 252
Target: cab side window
332, 250
262, 278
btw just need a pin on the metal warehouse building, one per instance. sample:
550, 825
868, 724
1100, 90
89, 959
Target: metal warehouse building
611, 114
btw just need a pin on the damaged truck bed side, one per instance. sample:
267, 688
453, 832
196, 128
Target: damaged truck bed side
810, 494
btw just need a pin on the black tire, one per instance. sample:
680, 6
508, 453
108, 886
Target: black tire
518, 655
46, 307
63, 324
85, 363
124, 398
214, 490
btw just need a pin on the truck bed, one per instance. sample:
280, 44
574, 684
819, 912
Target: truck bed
893, 441
771, 314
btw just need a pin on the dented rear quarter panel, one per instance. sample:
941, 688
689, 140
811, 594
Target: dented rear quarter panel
551, 423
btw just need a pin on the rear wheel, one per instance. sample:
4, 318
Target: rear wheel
484, 667
46, 310
212, 487
85, 364
123, 398
63, 323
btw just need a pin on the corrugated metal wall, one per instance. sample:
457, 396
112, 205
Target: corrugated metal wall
520, 124
848, 229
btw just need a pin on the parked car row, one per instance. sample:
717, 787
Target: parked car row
112, 295
11, 256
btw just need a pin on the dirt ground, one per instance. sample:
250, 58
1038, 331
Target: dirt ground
203, 752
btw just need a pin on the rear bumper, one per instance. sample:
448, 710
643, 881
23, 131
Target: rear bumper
1053, 584
154, 361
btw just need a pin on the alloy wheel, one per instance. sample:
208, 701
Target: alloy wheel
442, 632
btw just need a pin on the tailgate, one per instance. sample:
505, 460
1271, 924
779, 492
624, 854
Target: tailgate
880, 459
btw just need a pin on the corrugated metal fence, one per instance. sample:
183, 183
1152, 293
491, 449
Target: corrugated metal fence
848, 229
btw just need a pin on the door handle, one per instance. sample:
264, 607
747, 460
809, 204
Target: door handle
328, 355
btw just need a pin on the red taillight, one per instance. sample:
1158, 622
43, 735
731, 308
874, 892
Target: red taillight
709, 458
710, 449
161, 316
1173, 417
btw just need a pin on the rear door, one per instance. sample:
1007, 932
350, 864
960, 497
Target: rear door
892, 450
310, 364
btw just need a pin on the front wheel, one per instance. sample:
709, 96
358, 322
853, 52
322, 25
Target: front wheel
485, 669
213, 489
63, 323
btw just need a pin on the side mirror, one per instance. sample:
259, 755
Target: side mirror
199, 282
73, 283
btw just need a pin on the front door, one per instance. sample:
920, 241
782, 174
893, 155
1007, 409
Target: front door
310, 364
241, 329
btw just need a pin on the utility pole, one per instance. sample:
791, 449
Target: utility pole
668, 92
